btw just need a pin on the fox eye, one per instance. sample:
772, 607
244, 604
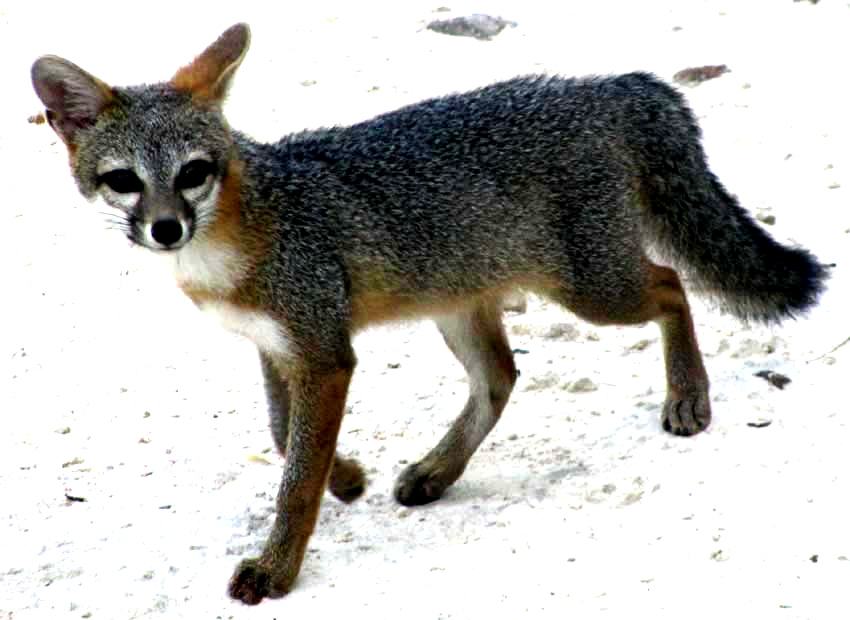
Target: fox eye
193, 174
122, 181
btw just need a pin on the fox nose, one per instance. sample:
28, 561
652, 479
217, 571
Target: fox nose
167, 231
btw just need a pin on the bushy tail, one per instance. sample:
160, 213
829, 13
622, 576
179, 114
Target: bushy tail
691, 218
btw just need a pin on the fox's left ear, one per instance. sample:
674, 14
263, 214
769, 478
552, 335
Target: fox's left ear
73, 98
208, 77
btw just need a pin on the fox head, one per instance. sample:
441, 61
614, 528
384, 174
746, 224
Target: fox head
158, 154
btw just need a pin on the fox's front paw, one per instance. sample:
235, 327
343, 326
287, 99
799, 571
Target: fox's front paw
252, 582
687, 415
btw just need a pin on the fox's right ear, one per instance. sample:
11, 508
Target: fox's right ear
72, 97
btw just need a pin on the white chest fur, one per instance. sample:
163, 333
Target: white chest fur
209, 266
256, 326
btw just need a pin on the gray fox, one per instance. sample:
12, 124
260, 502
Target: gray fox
439, 209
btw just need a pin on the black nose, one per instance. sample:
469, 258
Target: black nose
167, 231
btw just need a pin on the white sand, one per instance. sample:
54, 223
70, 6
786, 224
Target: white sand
577, 504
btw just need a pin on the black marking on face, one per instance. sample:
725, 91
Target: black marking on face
194, 174
121, 181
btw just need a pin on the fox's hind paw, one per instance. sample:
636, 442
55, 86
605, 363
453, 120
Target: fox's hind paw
686, 415
418, 485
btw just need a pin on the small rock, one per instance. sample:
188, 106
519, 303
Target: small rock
581, 386
694, 76
631, 498
774, 378
478, 26
562, 331
766, 218
640, 345
542, 382
718, 556
259, 459
64, 430
760, 424
403, 512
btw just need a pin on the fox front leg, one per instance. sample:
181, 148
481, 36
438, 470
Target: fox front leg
347, 480
317, 404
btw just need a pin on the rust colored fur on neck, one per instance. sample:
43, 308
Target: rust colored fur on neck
225, 228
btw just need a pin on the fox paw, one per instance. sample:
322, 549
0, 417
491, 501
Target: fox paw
688, 415
417, 485
252, 582
347, 481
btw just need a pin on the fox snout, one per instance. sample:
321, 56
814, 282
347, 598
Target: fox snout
159, 223
168, 231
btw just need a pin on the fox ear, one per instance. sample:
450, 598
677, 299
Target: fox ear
208, 77
73, 98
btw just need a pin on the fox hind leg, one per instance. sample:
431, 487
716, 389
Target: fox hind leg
651, 292
687, 409
477, 338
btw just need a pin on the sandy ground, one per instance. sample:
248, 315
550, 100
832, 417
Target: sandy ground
113, 388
